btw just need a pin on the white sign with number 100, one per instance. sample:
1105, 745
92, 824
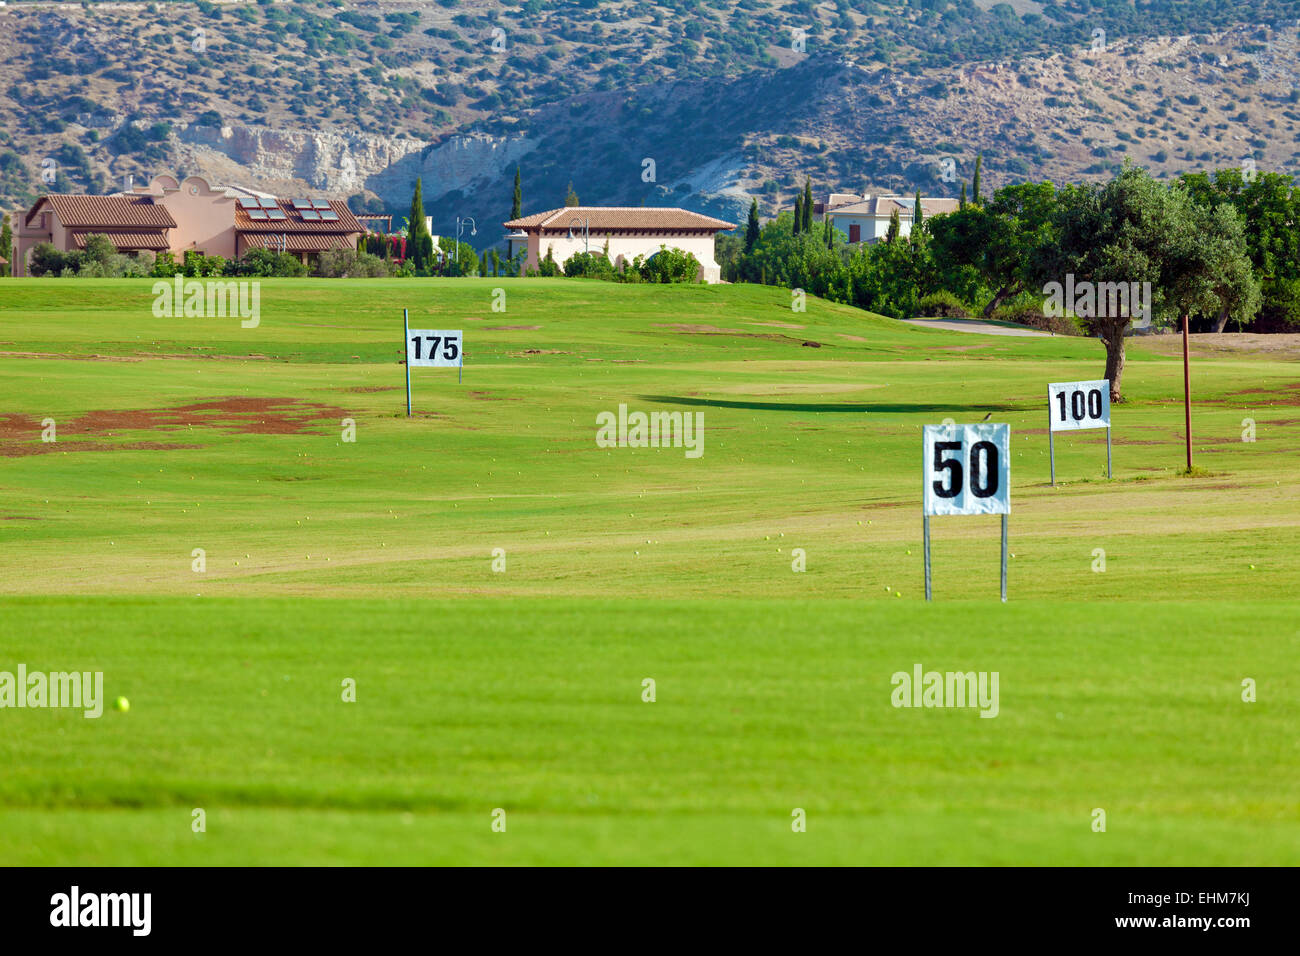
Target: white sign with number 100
433, 348
967, 469
1079, 405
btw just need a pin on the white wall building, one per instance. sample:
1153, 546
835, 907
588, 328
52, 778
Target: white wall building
629, 231
866, 218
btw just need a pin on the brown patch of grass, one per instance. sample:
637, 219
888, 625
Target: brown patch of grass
46, 448
489, 397
240, 415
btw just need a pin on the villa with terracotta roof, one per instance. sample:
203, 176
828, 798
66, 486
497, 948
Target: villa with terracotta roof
180, 217
629, 231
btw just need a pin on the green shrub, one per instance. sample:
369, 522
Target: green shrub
164, 266
46, 260
669, 265
943, 305
594, 265
350, 264
265, 263
1032, 316
547, 267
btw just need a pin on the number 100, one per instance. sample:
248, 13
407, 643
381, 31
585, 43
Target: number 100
1077, 409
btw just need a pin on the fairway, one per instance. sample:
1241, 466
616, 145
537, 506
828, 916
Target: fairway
233, 522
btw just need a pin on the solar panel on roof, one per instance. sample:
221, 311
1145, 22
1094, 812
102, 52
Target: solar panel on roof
247, 202
257, 214
302, 204
268, 203
330, 216
310, 215
276, 214
320, 203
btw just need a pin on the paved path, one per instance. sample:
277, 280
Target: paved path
972, 325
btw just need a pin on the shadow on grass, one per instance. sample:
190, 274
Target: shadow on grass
804, 407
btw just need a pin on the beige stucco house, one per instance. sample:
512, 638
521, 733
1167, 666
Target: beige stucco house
629, 231
190, 215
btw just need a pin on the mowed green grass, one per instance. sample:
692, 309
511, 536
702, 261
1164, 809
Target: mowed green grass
522, 690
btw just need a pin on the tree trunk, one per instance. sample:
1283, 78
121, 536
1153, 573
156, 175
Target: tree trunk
1113, 337
1222, 321
1006, 292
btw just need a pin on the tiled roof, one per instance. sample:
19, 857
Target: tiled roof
124, 240
843, 199
619, 217
298, 241
123, 212
293, 221
935, 207
882, 207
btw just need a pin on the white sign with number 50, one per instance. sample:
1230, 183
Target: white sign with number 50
434, 348
967, 469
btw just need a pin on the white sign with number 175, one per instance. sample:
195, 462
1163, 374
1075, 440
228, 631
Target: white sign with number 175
434, 348
967, 469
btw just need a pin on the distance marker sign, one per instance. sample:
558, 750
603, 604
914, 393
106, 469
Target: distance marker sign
1075, 405
1072, 406
431, 348
434, 348
966, 470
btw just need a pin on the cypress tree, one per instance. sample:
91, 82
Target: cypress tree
892, 233
517, 205
415, 231
962, 201
751, 228
807, 205
828, 233
798, 213
975, 183
918, 214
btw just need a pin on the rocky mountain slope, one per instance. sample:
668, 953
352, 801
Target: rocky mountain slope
700, 104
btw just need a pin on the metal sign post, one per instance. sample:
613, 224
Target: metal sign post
1051, 439
1074, 406
406, 338
1004, 557
925, 533
966, 470
432, 348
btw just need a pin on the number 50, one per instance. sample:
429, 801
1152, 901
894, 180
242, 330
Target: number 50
983, 464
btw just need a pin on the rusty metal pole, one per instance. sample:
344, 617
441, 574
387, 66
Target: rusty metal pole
1187, 396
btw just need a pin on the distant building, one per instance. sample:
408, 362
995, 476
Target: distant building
179, 217
629, 231
866, 218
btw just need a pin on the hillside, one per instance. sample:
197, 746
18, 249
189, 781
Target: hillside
355, 100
